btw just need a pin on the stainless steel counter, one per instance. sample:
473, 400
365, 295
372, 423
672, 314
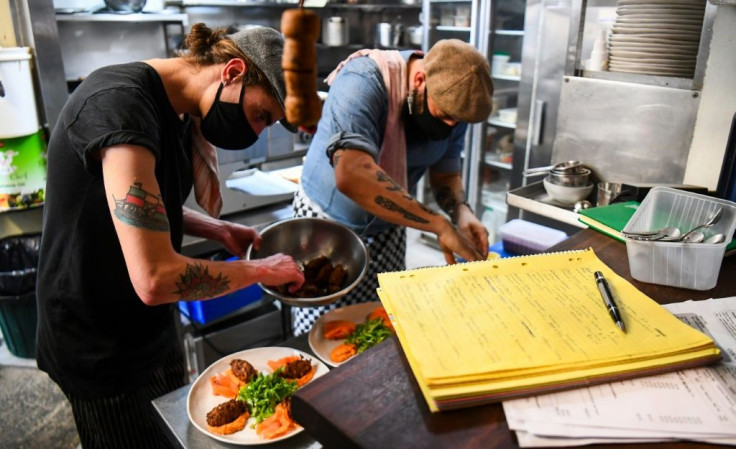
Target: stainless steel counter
172, 409
534, 198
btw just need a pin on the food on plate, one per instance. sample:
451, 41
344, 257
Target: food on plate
266, 392
381, 313
373, 331
338, 329
228, 417
228, 383
343, 352
299, 61
295, 368
321, 277
278, 424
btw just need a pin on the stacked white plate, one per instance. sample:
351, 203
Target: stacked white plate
656, 37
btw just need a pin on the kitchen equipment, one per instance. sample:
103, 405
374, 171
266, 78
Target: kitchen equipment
126, 6
678, 263
663, 234
578, 179
18, 115
567, 194
560, 167
413, 35
607, 192
387, 34
305, 239
710, 221
335, 31
716, 238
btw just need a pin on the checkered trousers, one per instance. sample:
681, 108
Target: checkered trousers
387, 251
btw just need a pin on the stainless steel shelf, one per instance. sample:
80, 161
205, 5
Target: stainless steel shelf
452, 28
133, 18
497, 122
507, 77
534, 198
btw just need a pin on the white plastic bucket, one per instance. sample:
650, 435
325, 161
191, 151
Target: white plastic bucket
18, 115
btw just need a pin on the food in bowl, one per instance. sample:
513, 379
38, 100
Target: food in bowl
307, 238
321, 277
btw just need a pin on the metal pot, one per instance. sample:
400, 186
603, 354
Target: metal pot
413, 35
335, 31
127, 6
387, 34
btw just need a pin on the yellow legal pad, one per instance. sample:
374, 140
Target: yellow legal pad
487, 331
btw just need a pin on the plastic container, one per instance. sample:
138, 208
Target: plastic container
18, 114
677, 264
498, 63
204, 312
18, 310
524, 237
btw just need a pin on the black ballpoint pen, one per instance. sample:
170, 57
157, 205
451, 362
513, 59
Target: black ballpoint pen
608, 299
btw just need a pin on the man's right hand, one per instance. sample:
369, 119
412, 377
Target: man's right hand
279, 269
453, 242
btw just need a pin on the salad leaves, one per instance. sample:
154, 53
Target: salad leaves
369, 334
265, 392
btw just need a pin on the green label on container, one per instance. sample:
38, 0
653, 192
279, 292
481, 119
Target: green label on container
22, 171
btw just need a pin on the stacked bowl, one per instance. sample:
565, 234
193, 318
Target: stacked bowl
568, 182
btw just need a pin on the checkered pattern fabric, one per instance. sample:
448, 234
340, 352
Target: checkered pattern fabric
387, 252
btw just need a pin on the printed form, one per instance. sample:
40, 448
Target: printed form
696, 404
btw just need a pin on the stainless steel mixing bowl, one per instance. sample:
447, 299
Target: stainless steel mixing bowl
305, 239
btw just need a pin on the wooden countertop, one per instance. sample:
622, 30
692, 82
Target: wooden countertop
374, 401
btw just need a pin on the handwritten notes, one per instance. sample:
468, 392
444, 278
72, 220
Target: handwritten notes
484, 331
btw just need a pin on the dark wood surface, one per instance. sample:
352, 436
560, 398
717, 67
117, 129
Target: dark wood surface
373, 400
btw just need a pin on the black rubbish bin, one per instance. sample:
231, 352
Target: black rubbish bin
18, 310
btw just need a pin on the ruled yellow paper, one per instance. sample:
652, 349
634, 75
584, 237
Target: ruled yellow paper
505, 324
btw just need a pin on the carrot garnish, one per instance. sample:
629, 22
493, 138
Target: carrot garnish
338, 330
343, 352
277, 424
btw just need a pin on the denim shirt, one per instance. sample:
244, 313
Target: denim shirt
354, 116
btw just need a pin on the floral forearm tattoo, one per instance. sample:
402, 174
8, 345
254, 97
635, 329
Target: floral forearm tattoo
141, 209
197, 283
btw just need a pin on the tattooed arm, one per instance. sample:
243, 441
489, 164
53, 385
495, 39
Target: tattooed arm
235, 237
450, 196
359, 177
158, 273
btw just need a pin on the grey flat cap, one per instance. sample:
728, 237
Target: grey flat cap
264, 46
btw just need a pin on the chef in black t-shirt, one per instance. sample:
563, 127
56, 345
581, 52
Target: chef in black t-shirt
129, 146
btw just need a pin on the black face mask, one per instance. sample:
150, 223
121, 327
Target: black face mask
423, 127
225, 125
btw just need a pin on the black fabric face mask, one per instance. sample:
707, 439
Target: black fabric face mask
225, 125
423, 127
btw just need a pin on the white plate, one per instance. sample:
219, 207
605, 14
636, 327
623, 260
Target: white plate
654, 39
357, 313
201, 400
664, 56
663, 10
655, 19
654, 62
669, 3
658, 49
687, 32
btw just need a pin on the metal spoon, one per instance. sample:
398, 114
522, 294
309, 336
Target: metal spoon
669, 233
716, 238
693, 237
709, 221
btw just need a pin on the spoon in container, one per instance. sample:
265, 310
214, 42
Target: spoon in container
716, 238
693, 237
665, 234
709, 221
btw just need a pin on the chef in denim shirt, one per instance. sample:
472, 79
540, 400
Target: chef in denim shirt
390, 116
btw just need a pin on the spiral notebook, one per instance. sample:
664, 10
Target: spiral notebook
483, 332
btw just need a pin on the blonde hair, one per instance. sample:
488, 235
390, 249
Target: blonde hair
205, 46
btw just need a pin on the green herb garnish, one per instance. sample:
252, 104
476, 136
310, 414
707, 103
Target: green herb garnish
369, 334
265, 392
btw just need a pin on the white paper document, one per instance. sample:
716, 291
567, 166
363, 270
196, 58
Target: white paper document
257, 183
697, 404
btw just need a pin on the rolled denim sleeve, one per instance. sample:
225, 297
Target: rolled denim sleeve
356, 107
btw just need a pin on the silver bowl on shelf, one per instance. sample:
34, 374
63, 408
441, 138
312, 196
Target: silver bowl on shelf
306, 239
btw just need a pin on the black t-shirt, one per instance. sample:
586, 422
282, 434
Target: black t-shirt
95, 336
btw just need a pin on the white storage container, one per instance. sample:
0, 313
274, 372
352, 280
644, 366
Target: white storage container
524, 237
18, 115
678, 264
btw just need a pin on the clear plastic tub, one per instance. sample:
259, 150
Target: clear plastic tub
524, 237
678, 264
